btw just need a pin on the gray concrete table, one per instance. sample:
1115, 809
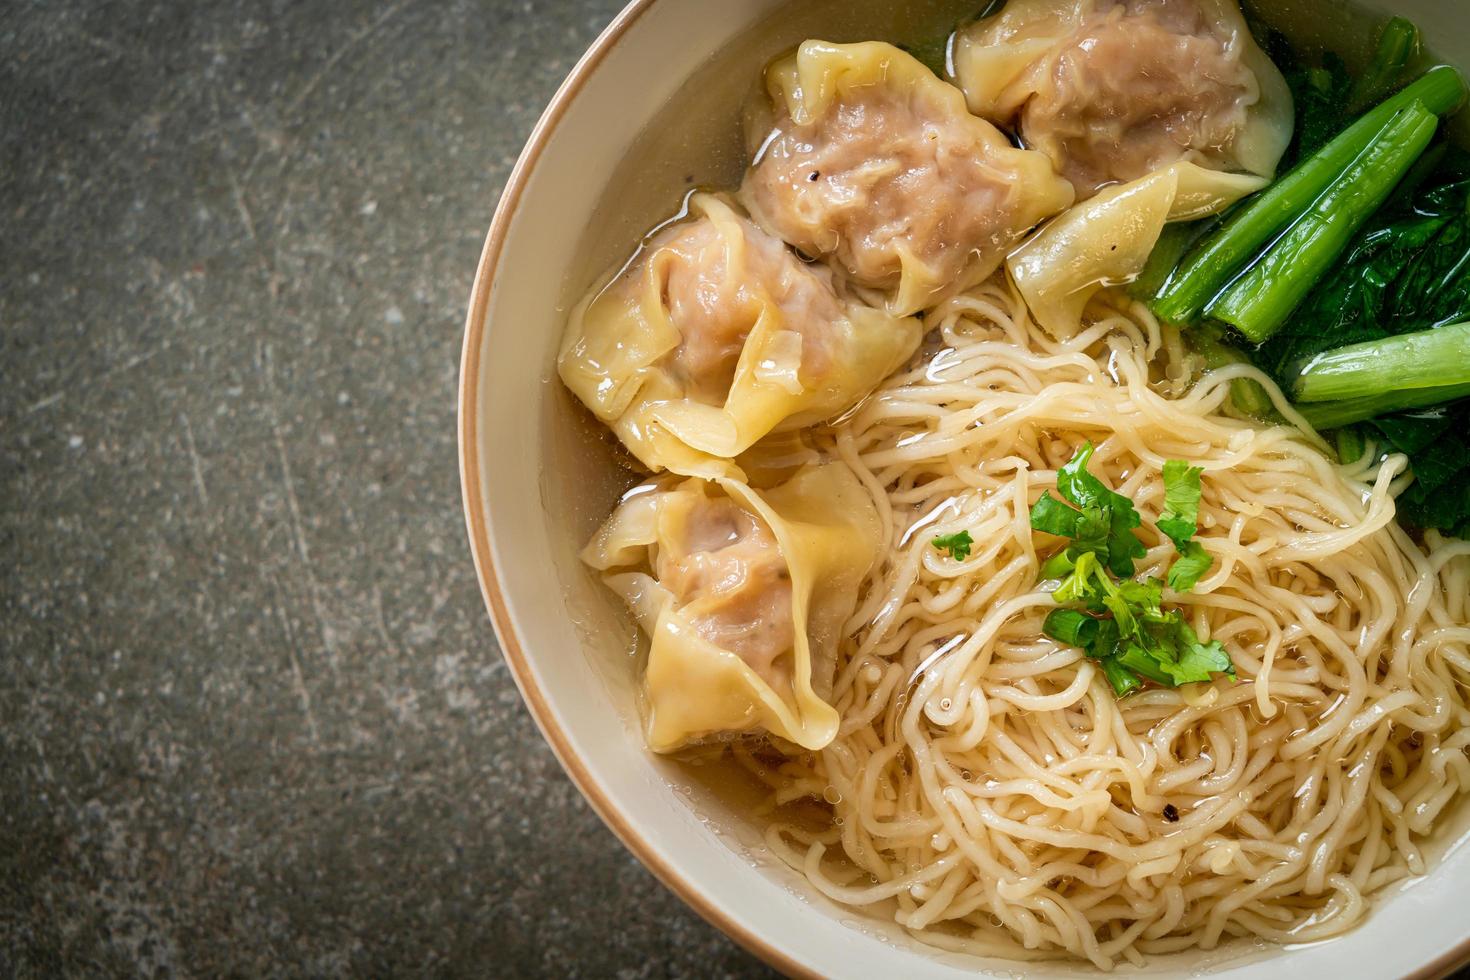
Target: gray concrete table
252, 717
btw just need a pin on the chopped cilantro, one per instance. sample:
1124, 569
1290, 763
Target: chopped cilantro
1189, 567
1102, 523
957, 544
1180, 520
1117, 620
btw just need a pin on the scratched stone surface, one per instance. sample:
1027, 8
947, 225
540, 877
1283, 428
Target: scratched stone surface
252, 718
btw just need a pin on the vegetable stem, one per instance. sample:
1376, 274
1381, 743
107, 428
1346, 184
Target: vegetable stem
1246, 394
1398, 43
1262, 297
1121, 678
1350, 444
1346, 411
1174, 241
1419, 361
1221, 254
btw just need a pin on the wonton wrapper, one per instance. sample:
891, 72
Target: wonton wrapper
1107, 239
715, 334
1112, 90
863, 155
825, 532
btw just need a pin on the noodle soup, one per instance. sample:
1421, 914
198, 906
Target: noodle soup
845, 601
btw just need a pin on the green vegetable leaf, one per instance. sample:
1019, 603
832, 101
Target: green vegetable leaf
1408, 269
1085, 490
1398, 44
1123, 624
1258, 221
1111, 515
1146, 592
1082, 585
1321, 95
1404, 271
1134, 636
1122, 610
958, 544
1105, 645
1180, 518
1264, 296
1202, 659
1189, 567
1146, 665
1054, 517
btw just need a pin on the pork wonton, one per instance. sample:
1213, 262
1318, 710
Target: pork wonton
1112, 90
716, 334
865, 156
743, 594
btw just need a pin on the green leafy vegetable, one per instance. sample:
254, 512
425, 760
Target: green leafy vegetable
958, 544
1350, 444
1259, 301
1117, 620
1199, 660
1143, 663
1438, 358
1321, 95
1101, 525
1346, 411
1137, 639
1180, 518
1311, 264
1054, 517
1438, 446
1246, 394
1407, 270
1220, 255
1398, 44
1189, 567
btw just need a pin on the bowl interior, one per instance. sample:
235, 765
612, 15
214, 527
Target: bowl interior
650, 114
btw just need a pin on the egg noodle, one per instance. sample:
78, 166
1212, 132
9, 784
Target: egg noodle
987, 788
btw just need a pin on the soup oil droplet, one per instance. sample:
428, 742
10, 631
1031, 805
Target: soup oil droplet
831, 795
945, 704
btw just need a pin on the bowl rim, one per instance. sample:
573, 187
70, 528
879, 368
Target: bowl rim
488, 575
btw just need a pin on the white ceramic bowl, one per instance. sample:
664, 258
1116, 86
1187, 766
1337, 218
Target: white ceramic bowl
609, 157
